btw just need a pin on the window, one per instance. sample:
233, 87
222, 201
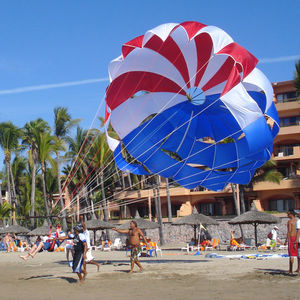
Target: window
210, 209
290, 121
286, 97
282, 205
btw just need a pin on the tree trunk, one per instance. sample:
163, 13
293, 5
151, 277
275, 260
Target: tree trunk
32, 201
45, 192
159, 215
242, 198
61, 201
235, 199
8, 180
169, 201
104, 203
129, 180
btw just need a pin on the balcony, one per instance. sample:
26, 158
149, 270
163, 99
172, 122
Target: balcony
287, 153
289, 105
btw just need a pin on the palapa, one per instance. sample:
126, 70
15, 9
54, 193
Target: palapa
42, 230
141, 223
255, 218
16, 229
196, 220
95, 224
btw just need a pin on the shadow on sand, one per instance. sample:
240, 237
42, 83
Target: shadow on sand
37, 277
277, 272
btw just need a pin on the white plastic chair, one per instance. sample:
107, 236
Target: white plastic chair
117, 244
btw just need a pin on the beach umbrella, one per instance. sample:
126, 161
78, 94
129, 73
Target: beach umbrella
255, 218
196, 220
42, 230
95, 224
16, 229
141, 223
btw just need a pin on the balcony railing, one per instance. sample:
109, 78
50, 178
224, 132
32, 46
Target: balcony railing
283, 152
290, 124
288, 100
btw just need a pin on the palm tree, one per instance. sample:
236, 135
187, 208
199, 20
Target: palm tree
9, 142
63, 123
100, 154
46, 147
31, 132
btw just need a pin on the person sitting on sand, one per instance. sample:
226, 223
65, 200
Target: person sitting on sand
235, 242
49, 245
134, 234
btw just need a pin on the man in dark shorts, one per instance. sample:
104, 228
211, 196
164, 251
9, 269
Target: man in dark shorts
80, 249
134, 234
291, 238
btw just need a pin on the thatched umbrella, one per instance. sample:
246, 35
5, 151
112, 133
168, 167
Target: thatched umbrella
42, 230
95, 224
141, 223
196, 220
16, 229
255, 217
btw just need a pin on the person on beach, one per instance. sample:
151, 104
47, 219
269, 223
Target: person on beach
69, 248
50, 245
291, 239
103, 239
80, 250
89, 257
7, 240
297, 241
134, 235
273, 237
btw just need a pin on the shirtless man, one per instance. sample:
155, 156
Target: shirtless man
291, 238
134, 235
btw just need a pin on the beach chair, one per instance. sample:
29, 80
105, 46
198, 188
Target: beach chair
117, 244
215, 244
107, 246
153, 248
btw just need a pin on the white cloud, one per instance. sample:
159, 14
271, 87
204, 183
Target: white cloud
51, 86
279, 59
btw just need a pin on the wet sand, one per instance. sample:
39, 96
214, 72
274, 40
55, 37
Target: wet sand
172, 276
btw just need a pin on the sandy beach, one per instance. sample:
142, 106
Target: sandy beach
173, 276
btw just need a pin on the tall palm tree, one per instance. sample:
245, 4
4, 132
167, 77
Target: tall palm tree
46, 148
100, 154
31, 132
9, 142
63, 123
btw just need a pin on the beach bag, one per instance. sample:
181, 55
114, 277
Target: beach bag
270, 235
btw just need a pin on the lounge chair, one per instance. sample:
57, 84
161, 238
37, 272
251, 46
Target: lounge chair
215, 244
117, 244
153, 248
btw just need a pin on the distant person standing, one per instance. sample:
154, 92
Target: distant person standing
103, 239
297, 241
134, 234
291, 238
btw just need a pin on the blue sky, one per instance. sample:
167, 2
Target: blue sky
45, 45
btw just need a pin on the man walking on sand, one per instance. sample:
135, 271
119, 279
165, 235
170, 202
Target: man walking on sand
291, 238
134, 234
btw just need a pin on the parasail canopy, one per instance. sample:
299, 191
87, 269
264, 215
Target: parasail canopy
188, 103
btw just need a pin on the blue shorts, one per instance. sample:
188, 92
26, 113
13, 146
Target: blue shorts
47, 245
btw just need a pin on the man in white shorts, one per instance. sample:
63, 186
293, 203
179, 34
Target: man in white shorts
298, 239
89, 256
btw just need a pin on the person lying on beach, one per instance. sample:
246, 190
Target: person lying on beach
134, 235
49, 245
80, 250
89, 257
